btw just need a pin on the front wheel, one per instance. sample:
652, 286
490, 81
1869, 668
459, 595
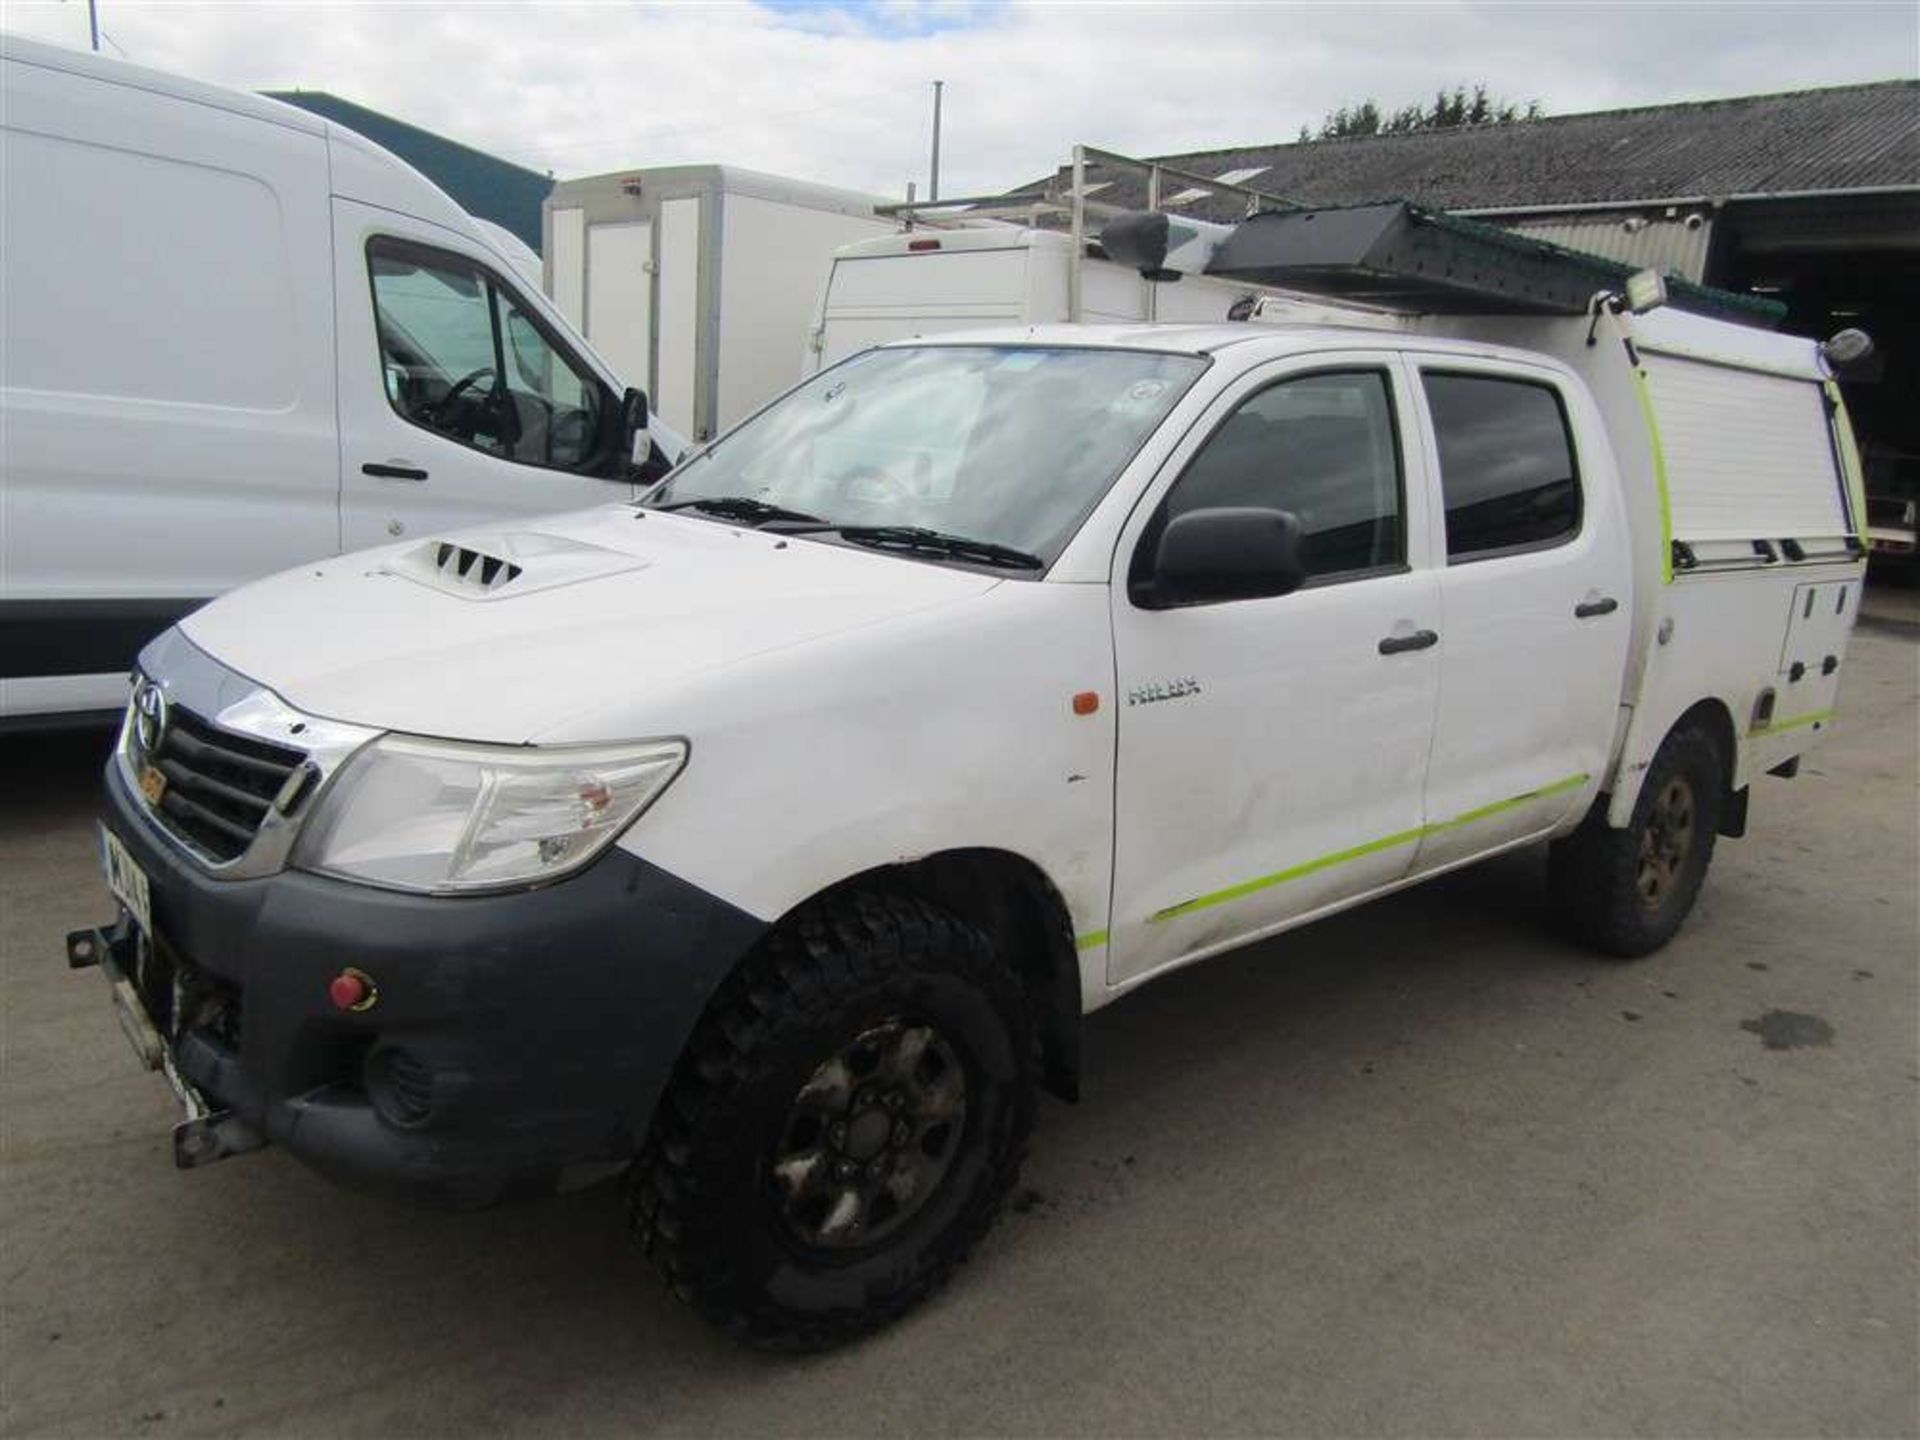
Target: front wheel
847, 1119
1626, 892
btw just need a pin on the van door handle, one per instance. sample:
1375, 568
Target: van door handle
1587, 609
396, 470
1418, 640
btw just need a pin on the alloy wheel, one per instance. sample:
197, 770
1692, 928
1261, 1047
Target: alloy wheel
1666, 842
870, 1136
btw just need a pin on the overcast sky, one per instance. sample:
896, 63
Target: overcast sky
839, 93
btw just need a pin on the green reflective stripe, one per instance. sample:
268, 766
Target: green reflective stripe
1849, 460
1774, 727
1280, 877
1659, 475
1372, 847
1559, 787
1090, 940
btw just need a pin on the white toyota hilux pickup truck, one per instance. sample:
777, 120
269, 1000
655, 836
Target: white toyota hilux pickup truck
770, 837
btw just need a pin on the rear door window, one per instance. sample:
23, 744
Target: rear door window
1507, 468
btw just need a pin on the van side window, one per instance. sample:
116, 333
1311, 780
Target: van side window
1322, 446
1506, 464
464, 359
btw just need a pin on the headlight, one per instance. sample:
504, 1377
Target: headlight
424, 815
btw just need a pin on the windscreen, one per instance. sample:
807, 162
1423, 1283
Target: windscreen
1011, 445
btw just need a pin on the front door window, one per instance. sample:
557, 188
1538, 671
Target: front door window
462, 357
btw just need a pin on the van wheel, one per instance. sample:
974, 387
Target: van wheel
843, 1126
1626, 892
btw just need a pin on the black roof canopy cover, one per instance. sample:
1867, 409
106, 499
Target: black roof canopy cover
1398, 256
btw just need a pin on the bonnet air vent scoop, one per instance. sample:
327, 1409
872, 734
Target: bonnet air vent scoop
473, 567
506, 564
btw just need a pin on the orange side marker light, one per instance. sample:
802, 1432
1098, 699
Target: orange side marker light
1086, 702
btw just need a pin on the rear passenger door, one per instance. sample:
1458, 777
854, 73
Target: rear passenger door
460, 401
1534, 605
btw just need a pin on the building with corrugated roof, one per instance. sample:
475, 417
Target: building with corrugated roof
1810, 197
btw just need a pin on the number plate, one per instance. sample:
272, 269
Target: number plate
126, 880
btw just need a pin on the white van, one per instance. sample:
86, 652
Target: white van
237, 338
932, 281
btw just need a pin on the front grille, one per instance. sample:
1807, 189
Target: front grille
221, 786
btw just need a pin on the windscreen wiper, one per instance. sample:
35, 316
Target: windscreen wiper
740, 507
932, 542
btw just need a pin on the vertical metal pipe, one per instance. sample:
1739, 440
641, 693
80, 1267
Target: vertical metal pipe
933, 183
93, 23
1075, 256
1153, 203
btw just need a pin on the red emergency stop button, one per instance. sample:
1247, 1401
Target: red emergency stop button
352, 989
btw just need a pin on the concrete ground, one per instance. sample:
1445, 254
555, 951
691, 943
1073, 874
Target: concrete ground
1420, 1170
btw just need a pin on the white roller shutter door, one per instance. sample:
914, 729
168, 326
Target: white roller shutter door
1749, 454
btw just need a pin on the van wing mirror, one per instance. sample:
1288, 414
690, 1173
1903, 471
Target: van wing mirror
1228, 553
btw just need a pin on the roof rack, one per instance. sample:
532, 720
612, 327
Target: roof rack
1053, 207
1393, 255
1055, 200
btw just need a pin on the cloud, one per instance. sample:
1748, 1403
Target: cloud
839, 93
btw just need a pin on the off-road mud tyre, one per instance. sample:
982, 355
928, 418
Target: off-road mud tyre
1624, 892
708, 1202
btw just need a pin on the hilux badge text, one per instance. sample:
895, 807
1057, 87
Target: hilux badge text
1162, 690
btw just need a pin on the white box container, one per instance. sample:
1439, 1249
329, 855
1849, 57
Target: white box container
697, 282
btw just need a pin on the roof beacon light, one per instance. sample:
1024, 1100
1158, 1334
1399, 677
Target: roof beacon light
1646, 290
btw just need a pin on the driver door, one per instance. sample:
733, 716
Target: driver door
430, 438
1272, 752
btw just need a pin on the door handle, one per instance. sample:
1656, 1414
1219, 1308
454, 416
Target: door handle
1587, 609
396, 470
1418, 640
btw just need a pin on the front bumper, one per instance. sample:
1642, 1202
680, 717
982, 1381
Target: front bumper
511, 1037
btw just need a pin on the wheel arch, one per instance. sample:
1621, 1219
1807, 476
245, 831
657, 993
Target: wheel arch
1024, 913
1714, 717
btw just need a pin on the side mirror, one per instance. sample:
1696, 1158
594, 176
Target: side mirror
633, 421
1229, 553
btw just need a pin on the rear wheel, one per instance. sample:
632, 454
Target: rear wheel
845, 1124
1626, 892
